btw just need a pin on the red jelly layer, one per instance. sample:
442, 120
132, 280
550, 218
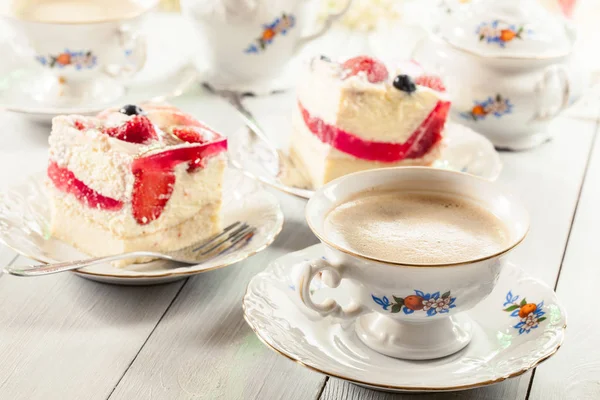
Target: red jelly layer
417, 145
155, 176
65, 181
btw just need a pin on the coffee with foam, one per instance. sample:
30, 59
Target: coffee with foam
76, 11
416, 228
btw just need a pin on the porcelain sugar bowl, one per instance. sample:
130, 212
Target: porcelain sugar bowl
509, 68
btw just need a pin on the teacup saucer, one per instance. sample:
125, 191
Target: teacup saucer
503, 345
465, 151
19, 93
29, 91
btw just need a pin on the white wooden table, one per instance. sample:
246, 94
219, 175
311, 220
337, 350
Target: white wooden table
63, 337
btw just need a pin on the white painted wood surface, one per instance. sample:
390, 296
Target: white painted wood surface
62, 337
575, 371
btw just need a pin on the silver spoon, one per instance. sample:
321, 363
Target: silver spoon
282, 161
235, 99
232, 237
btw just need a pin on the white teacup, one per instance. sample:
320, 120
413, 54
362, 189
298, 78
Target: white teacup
80, 45
249, 43
414, 330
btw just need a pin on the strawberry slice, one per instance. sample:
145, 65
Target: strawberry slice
152, 190
418, 144
374, 69
428, 133
431, 81
195, 134
137, 129
155, 176
65, 180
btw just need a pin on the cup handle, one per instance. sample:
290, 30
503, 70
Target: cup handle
331, 18
134, 45
329, 307
546, 114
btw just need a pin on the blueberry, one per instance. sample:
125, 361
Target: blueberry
404, 83
131, 109
324, 58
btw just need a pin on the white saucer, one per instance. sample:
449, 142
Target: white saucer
501, 347
24, 221
465, 151
19, 88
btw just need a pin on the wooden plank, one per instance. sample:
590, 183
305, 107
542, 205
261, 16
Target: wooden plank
338, 389
550, 189
64, 337
204, 349
574, 373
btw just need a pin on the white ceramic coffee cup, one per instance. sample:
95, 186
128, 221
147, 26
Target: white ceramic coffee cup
406, 310
81, 54
252, 41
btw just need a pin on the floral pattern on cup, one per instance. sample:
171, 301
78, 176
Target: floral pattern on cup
431, 303
77, 59
530, 314
496, 106
280, 26
499, 32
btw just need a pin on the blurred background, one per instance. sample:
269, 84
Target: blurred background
382, 28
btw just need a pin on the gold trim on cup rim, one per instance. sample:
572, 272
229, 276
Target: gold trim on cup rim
394, 387
400, 264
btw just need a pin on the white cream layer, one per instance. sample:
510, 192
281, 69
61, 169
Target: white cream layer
372, 111
191, 192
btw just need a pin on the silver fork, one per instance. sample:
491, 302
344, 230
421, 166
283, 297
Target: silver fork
234, 236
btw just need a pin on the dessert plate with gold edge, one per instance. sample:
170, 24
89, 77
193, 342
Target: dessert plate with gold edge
504, 344
465, 151
25, 221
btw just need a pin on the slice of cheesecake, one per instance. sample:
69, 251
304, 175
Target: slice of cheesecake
354, 116
135, 179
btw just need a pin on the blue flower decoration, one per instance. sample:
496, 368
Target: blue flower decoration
430, 303
531, 320
383, 302
510, 299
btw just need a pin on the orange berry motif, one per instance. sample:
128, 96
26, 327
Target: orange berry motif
268, 34
478, 111
427, 304
527, 309
413, 302
492, 106
529, 315
279, 26
79, 60
499, 32
506, 35
64, 59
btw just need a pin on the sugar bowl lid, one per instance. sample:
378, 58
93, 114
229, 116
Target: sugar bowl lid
508, 29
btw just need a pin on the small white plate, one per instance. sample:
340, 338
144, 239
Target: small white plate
465, 151
17, 87
500, 349
24, 222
